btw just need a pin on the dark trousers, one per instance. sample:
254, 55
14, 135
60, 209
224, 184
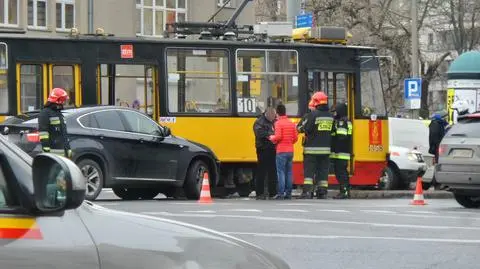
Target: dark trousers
341, 173
317, 166
267, 169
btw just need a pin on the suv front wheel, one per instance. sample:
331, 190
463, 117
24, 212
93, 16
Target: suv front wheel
467, 201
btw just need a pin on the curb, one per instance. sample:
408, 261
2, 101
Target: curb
378, 194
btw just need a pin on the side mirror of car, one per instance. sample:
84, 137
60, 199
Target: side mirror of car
166, 131
58, 183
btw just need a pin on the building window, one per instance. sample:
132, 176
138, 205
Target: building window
227, 3
153, 15
37, 13
9, 12
198, 81
65, 10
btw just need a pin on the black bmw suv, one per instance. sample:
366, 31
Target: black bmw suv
123, 149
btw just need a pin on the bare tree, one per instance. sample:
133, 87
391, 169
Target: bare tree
268, 10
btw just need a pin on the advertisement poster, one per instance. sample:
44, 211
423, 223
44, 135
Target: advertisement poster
469, 97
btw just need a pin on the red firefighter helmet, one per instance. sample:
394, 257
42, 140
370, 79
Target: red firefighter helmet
310, 105
319, 98
58, 96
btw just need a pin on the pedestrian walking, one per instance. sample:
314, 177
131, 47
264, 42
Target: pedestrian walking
342, 148
51, 124
266, 155
436, 133
285, 137
318, 126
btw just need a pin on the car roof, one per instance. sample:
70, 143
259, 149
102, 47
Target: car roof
77, 110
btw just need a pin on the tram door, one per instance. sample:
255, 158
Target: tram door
339, 88
35, 80
128, 85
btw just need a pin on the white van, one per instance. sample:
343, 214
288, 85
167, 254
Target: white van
408, 156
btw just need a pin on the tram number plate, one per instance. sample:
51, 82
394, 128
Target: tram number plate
246, 105
375, 148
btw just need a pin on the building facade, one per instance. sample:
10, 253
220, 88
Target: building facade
121, 18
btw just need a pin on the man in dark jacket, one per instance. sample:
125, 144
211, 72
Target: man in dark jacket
51, 124
318, 126
266, 154
342, 149
436, 133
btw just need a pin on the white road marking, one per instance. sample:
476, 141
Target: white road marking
310, 236
107, 204
300, 204
244, 210
334, 210
422, 212
200, 211
379, 211
318, 221
291, 210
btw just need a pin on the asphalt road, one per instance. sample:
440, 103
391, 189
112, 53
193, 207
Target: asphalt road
360, 234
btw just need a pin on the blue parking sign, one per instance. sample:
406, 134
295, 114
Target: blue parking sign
413, 92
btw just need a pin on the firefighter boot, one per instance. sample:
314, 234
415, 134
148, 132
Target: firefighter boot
322, 193
344, 193
307, 192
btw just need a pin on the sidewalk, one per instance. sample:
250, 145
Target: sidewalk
378, 194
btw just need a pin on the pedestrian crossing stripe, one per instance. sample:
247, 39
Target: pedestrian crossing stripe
19, 228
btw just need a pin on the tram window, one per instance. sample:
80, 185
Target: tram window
372, 99
198, 81
3, 79
31, 87
63, 77
267, 78
133, 87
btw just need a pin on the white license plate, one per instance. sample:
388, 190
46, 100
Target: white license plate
462, 153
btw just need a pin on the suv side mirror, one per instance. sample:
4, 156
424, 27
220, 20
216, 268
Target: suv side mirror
58, 183
166, 131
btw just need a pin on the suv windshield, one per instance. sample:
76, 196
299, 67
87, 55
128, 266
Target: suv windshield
466, 128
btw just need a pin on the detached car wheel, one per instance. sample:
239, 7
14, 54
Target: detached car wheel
127, 193
468, 201
194, 179
94, 177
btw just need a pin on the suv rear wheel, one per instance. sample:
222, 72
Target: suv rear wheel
468, 201
94, 177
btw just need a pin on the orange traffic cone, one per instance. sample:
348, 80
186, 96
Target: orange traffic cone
418, 196
205, 197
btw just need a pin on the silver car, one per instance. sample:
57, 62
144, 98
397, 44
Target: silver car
458, 168
45, 223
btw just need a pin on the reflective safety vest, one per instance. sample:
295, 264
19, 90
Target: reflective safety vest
318, 126
342, 140
53, 131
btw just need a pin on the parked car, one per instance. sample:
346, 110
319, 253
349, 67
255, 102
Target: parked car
124, 149
404, 167
45, 223
458, 168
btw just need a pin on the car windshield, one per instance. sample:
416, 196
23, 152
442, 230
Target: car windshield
467, 128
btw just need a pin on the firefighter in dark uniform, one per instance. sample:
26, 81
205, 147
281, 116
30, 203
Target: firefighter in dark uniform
318, 126
306, 193
341, 149
51, 124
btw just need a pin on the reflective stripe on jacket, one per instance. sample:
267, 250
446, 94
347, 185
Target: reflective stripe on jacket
342, 140
318, 126
52, 130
